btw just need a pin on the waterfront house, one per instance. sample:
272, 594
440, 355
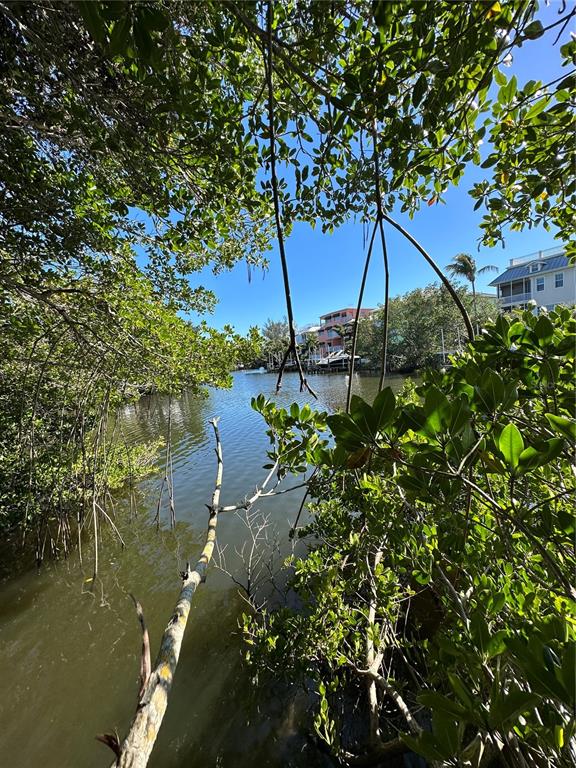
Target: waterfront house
545, 277
330, 335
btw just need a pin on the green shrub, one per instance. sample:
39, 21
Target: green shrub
442, 555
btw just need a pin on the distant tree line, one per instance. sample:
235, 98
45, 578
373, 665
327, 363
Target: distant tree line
423, 324
425, 327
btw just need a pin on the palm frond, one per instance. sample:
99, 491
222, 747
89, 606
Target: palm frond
463, 265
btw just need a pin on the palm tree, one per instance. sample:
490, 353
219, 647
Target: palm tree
464, 265
309, 346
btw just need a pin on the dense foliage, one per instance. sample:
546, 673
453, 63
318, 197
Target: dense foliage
108, 201
439, 580
424, 328
425, 80
67, 365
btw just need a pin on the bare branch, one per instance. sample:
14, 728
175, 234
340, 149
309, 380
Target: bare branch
145, 662
373, 659
137, 746
259, 492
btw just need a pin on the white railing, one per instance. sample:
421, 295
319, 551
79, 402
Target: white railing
517, 298
537, 255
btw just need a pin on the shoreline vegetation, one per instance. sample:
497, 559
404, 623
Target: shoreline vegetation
143, 142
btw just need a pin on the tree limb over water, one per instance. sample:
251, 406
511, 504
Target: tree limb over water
137, 746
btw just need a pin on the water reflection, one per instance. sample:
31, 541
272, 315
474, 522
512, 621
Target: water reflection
69, 657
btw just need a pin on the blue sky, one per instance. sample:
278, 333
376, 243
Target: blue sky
325, 270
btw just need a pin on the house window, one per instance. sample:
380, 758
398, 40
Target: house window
539, 283
534, 267
559, 279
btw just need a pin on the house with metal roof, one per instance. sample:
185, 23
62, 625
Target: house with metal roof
544, 277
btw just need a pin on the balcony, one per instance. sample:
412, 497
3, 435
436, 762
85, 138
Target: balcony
328, 335
516, 298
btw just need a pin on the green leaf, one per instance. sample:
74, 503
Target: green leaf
534, 30
544, 330
461, 415
424, 745
143, 39
540, 678
91, 13
537, 108
480, 632
497, 602
530, 458
562, 424
496, 644
437, 411
511, 445
553, 448
383, 408
489, 162
361, 414
438, 702
419, 89
464, 694
506, 709
500, 77
490, 390
120, 36
447, 733
346, 432
566, 521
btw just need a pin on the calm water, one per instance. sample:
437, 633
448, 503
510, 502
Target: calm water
69, 657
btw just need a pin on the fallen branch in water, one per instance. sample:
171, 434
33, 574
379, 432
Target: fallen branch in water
136, 748
261, 491
145, 663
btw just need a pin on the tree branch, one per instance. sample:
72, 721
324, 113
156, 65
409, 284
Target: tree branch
145, 662
447, 284
137, 746
293, 347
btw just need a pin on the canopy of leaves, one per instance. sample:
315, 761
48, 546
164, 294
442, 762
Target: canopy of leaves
112, 191
420, 82
135, 150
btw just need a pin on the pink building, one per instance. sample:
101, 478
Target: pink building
329, 335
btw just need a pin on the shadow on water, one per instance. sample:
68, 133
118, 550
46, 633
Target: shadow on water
69, 656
